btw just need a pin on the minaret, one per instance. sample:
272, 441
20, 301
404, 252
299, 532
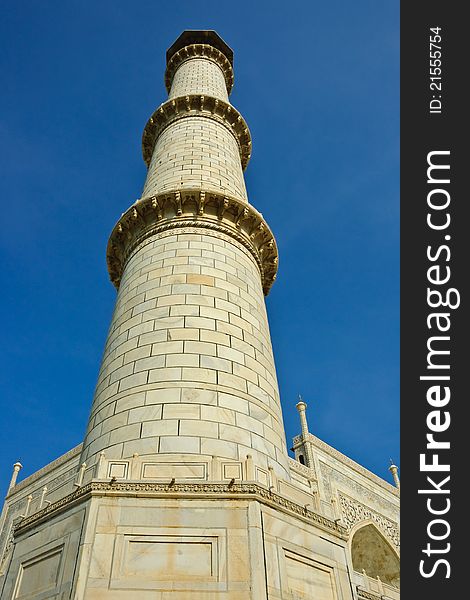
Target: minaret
183, 489
188, 368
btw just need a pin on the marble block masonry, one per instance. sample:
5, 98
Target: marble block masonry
183, 487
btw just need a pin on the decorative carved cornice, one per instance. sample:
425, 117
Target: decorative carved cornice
193, 208
199, 51
354, 512
237, 491
200, 106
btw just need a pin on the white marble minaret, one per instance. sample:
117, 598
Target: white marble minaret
182, 488
188, 368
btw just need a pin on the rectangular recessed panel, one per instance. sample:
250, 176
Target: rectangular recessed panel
118, 470
262, 476
39, 574
232, 471
308, 579
170, 470
299, 496
168, 560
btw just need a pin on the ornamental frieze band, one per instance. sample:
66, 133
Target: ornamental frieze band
167, 490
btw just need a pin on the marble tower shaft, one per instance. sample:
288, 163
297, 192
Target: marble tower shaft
188, 367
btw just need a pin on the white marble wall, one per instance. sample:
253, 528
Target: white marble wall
196, 152
188, 365
136, 546
199, 76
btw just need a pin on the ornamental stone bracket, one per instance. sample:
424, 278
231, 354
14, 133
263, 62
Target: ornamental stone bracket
199, 51
211, 491
201, 106
193, 208
353, 512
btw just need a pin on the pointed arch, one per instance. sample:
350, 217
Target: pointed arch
372, 552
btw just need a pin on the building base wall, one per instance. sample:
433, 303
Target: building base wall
125, 544
200, 528
43, 561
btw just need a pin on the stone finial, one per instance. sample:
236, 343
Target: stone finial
100, 465
301, 406
394, 471
43, 497
80, 475
28, 506
16, 469
336, 511
250, 470
365, 580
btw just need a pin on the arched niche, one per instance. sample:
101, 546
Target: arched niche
372, 553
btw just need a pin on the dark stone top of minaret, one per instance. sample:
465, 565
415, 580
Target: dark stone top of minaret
207, 36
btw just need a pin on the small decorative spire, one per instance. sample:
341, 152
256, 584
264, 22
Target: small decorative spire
365, 579
28, 505
43, 497
301, 406
394, 471
16, 469
80, 475
380, 585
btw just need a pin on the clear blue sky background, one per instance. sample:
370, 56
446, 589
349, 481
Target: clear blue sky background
318, 83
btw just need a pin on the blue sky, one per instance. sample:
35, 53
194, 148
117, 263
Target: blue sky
318, 83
